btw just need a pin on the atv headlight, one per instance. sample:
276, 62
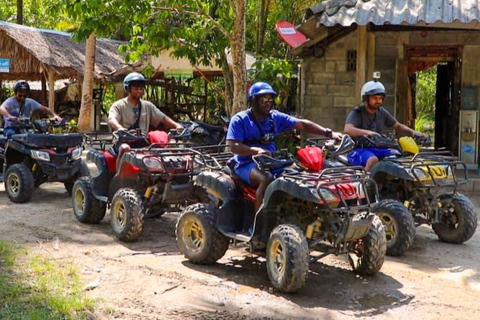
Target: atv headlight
153, 164
327, 195
77, 153
360, 191
40, 155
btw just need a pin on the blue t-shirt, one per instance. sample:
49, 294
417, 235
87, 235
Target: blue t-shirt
242, 128
13, 107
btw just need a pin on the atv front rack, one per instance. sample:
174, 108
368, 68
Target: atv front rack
333, 179
98, 140
435, 169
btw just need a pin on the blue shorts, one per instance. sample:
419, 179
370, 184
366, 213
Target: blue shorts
9, 132
359, 157
243, 171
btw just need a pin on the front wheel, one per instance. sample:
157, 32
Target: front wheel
288, 258
127, 215
19, 183
197, 236
367, 255
399, 225
458, 220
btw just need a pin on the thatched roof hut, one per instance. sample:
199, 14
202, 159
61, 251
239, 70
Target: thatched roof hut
36, 53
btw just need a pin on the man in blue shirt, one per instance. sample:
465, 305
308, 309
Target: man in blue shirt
19, 106
252, 132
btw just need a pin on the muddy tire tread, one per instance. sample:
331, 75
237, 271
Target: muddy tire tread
134, 224
375, 250
405, 225
26, 182
95, 209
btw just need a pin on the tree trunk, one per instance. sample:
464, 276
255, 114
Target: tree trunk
84, 120
20, 11
228, 78
238, 57
262, 25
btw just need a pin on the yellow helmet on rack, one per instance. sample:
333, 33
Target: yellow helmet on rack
408, 145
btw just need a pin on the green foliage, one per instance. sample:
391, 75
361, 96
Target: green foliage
37, 288
274, 71
48, 14
425, 100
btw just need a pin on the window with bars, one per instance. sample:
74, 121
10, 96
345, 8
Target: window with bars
351, 60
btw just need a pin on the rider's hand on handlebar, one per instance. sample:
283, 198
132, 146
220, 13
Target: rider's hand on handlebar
337, 135
14, 119
57, 118
372, 133
261, 151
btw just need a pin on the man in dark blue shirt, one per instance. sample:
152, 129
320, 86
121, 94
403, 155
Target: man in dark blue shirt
252, 132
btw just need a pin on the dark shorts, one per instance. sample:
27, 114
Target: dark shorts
359, 157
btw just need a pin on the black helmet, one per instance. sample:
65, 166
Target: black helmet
21, 86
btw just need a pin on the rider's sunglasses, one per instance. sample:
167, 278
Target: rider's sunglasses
21, 96
266, 100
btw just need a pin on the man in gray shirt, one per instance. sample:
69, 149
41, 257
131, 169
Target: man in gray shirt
371, 119
132, 112
19, 106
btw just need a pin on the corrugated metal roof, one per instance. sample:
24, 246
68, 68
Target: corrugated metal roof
395, 12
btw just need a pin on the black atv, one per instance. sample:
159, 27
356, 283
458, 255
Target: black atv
301, 212
34, 156
426, 182
155, 176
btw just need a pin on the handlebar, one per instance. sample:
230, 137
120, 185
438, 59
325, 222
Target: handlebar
265, 162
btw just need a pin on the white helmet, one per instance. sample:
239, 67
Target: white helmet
371, 88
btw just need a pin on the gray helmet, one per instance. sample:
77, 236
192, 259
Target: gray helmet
371, 88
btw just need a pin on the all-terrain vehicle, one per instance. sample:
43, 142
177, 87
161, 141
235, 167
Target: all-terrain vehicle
427, 183
34, 156
301, 212
397, 220
152, 178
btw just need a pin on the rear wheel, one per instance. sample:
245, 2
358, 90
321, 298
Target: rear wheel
19, 183
82, 172
287, 258
399, 225
368, 254
127, 215
197, 236
458, 219
86, 207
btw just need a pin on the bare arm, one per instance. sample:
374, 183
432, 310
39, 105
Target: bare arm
50, 112
168, 122
241, 149
406, 130
313, 128
115, 125
4, 112
353, 131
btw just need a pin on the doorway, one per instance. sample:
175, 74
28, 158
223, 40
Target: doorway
441, 66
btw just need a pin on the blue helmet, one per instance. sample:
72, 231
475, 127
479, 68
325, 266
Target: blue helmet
133, 78
260, 88
21, 86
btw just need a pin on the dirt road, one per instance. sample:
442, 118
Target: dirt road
149, 279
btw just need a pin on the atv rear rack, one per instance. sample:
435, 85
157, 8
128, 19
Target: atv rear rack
337, 177
429, 162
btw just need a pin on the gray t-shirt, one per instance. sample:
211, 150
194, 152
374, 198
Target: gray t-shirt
378, 122
15, 109
126, 114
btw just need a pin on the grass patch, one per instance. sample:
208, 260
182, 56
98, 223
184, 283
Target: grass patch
37, 288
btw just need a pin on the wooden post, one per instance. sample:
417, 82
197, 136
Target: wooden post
51, 89
44, 90
362, 44
371, 55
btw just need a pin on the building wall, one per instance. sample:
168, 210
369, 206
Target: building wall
330, 90
329, 87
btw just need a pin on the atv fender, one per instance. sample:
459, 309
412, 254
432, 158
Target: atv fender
15, 153
232, 212
217, 184
390, 168
102, 180
266, 218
